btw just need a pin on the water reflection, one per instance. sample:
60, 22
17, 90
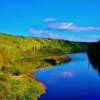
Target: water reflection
67, 73
94, 56
96, 67
70, 81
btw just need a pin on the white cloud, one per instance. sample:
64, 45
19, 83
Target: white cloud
48, 33
36, 31
73, 28
49, 19
53, 35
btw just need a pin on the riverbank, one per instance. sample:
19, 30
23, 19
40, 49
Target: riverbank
30, 76
55, 60
20, 55
18, 83
23, 78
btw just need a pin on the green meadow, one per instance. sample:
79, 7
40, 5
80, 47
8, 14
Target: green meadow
20, 55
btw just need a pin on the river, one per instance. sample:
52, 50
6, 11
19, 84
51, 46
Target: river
76, 80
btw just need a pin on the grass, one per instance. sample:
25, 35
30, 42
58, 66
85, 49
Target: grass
20, 55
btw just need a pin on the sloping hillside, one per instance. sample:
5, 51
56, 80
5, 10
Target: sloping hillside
20, 55
30, 52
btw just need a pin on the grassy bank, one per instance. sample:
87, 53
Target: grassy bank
20, 55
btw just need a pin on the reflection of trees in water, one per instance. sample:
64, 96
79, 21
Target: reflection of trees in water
97, 68
94, 56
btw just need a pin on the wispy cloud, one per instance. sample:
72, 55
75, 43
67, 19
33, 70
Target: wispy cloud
72, 27
53, 35
49, 33
36, 31
49, 19
65, 30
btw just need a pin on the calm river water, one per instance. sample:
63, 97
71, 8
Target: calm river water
76, 80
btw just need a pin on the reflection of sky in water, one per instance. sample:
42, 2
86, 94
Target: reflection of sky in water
67, 73
76, 79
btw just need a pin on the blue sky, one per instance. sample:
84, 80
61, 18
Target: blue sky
77, 20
